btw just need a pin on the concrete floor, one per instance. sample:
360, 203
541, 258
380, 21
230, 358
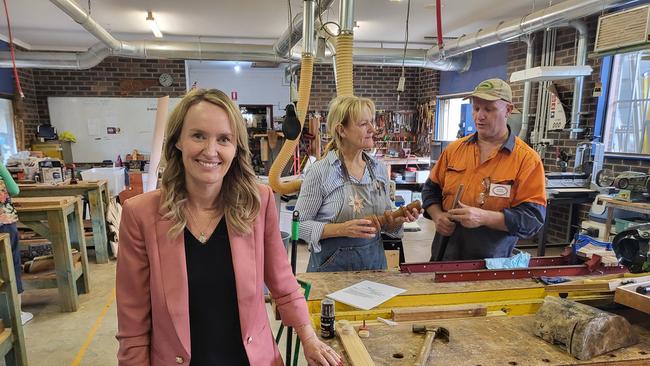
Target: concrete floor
87, 337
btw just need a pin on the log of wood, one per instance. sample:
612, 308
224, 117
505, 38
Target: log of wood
583, 331
397, 213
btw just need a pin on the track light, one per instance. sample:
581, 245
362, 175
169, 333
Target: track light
153, 25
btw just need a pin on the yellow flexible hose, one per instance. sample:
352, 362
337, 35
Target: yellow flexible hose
289, 146
344, 86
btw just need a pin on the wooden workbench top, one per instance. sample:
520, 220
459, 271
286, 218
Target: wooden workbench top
323, 283
86, 184
29, 204
487, 341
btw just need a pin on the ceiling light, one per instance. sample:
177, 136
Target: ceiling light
153, 25
547, 73
237, 68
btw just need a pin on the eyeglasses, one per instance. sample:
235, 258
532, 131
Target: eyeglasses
485, 188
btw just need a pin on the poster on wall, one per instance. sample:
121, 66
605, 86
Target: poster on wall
556, 115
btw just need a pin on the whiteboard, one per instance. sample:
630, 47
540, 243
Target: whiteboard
106, 127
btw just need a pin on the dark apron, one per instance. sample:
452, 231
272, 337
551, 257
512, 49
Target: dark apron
354, 254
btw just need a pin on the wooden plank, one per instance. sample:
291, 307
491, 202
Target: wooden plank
96, 203
438, 312
487, 341
81, 184
414, 283
78, 241
10, 308
27, 204
62, 252
628, 296
357, 353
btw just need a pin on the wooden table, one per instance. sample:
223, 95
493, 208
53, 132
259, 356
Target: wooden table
96, 192
487, 341
511, 297
12, 338
59, 220
612, 203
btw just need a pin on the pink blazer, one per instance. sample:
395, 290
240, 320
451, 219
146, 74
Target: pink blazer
152, 294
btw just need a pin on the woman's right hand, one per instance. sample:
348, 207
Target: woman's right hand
358, 228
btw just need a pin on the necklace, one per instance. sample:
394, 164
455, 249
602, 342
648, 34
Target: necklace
203, 238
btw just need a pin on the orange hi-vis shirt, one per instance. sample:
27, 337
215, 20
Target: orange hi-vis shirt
512, 175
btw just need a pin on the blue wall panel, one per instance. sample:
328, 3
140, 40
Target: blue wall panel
6, 74
487, 63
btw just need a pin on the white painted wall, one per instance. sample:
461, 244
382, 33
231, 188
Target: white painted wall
253, 86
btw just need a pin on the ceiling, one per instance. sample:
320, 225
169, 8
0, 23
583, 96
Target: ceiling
40, 25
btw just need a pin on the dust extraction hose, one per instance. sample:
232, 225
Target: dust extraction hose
289, 146
343, 56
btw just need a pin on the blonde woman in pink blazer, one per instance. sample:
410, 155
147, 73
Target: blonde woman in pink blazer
195, 254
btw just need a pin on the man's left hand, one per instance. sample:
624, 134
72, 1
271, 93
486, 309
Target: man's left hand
468, 216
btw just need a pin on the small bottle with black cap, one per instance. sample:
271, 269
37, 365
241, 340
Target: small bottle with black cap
327, 322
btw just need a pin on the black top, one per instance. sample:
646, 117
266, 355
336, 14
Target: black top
215, 332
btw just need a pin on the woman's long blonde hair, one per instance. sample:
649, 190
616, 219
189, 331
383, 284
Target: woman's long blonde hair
341, 111
242, 202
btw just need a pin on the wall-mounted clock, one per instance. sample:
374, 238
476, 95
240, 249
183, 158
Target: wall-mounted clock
165, 80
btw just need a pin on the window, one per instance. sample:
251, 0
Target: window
452, 118
7, 137
627, 128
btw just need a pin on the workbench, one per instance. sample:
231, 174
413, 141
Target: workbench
12, 338
59, 220
612, 203
511, 297
558, 197
487, 341
95, 192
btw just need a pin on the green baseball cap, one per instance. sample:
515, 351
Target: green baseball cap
493, 89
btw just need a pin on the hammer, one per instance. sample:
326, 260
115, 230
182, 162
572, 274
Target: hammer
431, 334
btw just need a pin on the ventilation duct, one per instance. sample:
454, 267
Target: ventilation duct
551, 16
293, 34
207, 51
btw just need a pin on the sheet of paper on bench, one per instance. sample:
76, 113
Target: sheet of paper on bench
365, 294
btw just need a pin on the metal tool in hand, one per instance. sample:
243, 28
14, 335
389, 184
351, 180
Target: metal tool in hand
430, 333
445, 239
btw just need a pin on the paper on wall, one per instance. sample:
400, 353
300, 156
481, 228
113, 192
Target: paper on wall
366, 294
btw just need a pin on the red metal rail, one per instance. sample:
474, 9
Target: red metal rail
454, 266
530, 272
474, 270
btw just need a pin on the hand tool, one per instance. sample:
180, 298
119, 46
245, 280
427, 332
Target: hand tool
431, 333
445, 239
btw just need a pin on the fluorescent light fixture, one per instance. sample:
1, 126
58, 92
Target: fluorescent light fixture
547, 73
153, 25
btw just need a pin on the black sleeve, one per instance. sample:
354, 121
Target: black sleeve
524, 220
431, 195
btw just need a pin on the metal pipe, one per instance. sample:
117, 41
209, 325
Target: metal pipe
578, 85
346, 16
293, 34
207, 51
527, 88
309, 44
544, 18
80, 16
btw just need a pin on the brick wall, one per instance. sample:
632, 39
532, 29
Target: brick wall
25, 109
102, 80
374, 82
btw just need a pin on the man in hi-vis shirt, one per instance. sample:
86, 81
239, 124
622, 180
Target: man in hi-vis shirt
503, 178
